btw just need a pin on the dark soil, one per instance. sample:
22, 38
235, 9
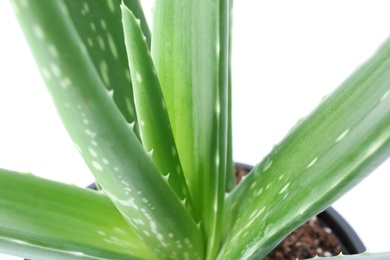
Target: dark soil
309, 240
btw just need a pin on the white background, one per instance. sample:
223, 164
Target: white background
286, 57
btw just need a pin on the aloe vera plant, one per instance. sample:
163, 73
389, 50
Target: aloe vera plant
151, 116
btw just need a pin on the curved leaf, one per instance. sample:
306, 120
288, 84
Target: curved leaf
323, 157
189, 49
99, 26
64, 222
155, 128
105, 140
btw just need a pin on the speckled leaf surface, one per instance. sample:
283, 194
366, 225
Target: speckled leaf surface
64, 222
189, 50
99, 26
321, 158
155, 128
105, 140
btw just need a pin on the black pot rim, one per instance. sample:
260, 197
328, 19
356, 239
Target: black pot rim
349, 240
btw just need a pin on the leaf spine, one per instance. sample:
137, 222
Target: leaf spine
131, 125
150, 153
183, 201
166, 177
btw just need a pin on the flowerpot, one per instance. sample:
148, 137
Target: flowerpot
325, 235
349, 240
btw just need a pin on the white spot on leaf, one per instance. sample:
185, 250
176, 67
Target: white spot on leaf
103, 24
342, 135
102, 45
112, 46
86, 7
38, 32
312, 162
267, 166
92, 152
105, 161
24, 3
252, 185
65, 83
93, 26
90, 42
55, 69
119, 230
90, 133
102, 233
385, 95
103, 67
284, 188
138, 76
97, 166
111, 5
218, 108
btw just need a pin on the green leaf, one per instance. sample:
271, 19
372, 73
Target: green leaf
155, 128
230, 171
323, 157
63, 222
189, 49
105, 140
99, 26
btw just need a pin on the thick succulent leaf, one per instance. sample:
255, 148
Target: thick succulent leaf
323, 157
99, 25
105, 140
155, 128
364, 256
189, 49
230, 173
42, 219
